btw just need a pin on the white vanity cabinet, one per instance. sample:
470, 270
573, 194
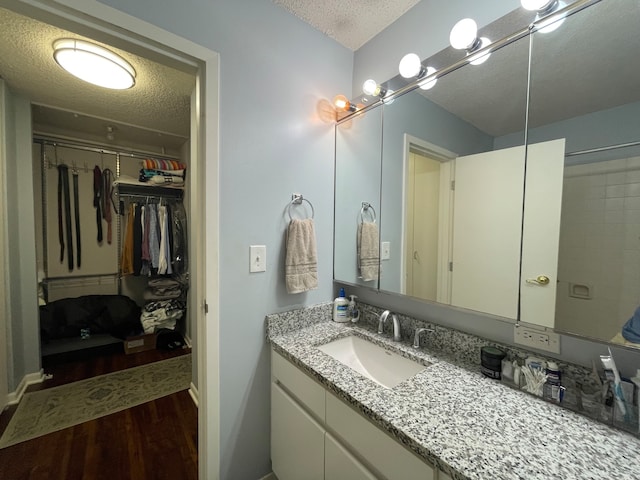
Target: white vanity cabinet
315, 435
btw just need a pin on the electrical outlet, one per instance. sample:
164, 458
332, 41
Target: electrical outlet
540, 340
257, 258
385, 248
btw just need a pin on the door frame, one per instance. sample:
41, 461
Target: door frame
98, 21
446, 222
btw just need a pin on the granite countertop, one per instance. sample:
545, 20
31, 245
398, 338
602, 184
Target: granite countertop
469, 426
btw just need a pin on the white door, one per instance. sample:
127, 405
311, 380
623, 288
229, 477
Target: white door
487, 221
543, 201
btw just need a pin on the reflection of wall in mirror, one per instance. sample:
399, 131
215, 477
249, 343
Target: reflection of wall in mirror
599, 264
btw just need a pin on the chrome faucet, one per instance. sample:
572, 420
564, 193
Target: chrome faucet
416, 338
396, 324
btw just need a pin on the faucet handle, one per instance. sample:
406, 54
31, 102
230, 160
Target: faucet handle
416, 338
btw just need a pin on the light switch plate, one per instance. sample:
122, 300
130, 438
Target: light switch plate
385, 251
257, 258
546, 340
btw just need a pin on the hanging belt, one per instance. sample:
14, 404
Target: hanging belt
107, 189
77, 216
97, 195
60, 230
63, 178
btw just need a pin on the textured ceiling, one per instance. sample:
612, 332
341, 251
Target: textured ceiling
351, 23
160, 100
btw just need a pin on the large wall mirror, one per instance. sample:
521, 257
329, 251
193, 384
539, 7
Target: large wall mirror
458, 221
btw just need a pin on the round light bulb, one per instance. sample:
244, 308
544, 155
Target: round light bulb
484, 41
429, 84
463, 34
341, 102
535, 5
410, 65
549, 26
370, 87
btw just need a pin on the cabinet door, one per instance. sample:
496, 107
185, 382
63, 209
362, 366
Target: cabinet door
297, 441
339, 464
383, 453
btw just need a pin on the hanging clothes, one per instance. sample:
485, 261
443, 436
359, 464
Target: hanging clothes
127, 247
63, 198
137, 240
97, 199
106, 202
76, 206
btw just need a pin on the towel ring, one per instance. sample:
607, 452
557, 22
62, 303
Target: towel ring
297, 199
365, 208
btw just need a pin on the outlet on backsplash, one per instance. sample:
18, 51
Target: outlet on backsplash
540, 340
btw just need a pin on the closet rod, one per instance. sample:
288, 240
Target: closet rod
89, 148
80, 277
175, 196
602, 149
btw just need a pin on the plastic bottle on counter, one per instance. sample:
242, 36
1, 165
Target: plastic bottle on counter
340, 308
552, 389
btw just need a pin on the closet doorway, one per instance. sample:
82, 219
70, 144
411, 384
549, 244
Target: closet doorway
201, 149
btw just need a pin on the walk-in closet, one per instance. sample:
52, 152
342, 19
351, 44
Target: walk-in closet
112, 236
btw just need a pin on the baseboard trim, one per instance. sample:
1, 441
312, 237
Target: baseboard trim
193, 392
271, 476
29, 379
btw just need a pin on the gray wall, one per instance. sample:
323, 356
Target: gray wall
273, 70
25, 335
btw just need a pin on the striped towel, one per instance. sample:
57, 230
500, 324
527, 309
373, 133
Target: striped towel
152, 164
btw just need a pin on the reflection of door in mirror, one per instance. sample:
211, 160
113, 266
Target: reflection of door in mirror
487, 221
427, 223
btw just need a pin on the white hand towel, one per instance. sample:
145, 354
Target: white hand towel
368, 251
301, 261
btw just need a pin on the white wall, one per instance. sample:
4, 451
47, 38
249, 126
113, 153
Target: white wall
273, 71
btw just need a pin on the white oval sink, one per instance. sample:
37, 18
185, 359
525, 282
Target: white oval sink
374, 362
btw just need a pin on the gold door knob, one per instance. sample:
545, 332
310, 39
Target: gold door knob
539, 280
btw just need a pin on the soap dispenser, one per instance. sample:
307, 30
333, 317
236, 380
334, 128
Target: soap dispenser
340, 307
354, 313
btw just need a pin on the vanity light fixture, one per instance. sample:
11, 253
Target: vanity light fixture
371, 88
94, 64
544, 8
464, 36
343, 104
410, 66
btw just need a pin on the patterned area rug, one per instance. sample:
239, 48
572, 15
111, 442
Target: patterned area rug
60, 407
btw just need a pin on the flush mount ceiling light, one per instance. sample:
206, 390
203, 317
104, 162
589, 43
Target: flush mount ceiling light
464, 36
94, 64
544, 9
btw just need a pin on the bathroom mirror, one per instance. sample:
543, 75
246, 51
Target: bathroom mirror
357, 195
585, 89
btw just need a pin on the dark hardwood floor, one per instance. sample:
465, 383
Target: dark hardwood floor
156, 440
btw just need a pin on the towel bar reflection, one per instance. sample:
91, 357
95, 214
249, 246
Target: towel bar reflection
297, 199
366, 206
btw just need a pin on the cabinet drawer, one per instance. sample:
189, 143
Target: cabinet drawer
299, 385
381, 451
